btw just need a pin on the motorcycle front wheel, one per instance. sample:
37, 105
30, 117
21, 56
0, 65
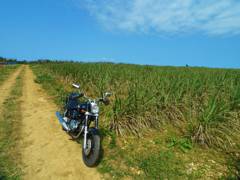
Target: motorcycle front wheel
91, 153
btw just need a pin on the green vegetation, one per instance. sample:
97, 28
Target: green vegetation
5, 71
182, 143
9, 133
193, 112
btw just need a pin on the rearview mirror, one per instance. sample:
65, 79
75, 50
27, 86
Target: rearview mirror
107, 94
76, 85
106, 101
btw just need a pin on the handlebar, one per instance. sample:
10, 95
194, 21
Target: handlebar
103, 99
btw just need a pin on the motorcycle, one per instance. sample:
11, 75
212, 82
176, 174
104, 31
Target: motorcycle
76, 120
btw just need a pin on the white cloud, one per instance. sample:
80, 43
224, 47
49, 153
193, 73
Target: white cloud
216, 17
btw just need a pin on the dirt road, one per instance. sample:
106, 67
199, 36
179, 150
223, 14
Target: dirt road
47, 151
5, 88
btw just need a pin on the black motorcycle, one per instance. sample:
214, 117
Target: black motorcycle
76, 120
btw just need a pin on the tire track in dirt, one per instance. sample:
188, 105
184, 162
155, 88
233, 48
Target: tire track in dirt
6, 87
47, 151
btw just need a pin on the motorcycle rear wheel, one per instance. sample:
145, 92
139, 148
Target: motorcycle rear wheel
91, 154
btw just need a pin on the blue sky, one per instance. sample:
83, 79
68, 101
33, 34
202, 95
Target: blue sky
159, 32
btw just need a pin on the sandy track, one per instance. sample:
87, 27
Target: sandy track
6, 87
47, 152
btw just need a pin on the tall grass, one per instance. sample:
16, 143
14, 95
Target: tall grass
203, 103
9, 133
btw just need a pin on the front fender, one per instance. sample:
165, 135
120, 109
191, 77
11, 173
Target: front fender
93, 131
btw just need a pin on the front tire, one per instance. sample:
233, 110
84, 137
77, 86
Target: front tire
91, 154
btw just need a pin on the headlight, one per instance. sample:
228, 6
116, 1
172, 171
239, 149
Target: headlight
94, 108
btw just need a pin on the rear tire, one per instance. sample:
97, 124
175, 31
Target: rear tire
91, 157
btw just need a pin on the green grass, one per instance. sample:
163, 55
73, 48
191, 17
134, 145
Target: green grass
197, 107
161, 165
5, 71
9, 133
160, 155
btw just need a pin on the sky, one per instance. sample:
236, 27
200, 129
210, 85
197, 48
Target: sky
156, 32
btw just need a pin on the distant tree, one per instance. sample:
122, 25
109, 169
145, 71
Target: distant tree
22, 62
2, 59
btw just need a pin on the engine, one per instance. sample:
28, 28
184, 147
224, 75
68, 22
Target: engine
73, 119
73, 124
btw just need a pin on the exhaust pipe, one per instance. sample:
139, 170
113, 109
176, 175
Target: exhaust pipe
62, 122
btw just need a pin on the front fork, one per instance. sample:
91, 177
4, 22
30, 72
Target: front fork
85, 132
86, 129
